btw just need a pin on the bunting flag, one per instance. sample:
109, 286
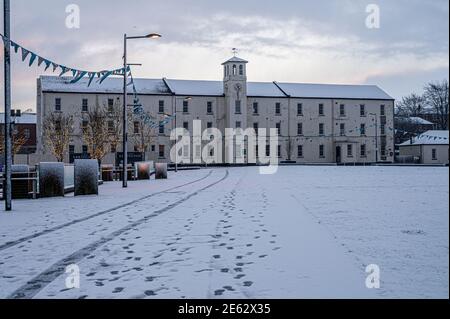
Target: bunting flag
77, 74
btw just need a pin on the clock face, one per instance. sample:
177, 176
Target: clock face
238, 87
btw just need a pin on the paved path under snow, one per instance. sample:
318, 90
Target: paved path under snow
219, 233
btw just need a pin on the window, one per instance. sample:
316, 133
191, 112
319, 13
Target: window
363, 129
279, 151
363, 150
321, 151
238, 107
267, 150
153, 148
84, 106
136, 127
434, 154
299, 128
362, 110
209, 107
209, 125
342, 129
349, 150
85, 149
110, 126
84, 124
342, 110
321, 129
383, 129
162, 151
161, 107
185, 106
278, 108
113, 148
382, 110
186, 125
321, 111
71, 149
238, 124
300, 150
161, 129
234, 69
58, 104
241, 70
110, 105
300, 109
279, 128
255, 108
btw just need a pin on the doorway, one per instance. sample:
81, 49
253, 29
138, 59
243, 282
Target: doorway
338, 154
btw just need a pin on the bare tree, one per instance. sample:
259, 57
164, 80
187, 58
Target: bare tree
411, 105
143, 135
18, 140
436, 95
95, 131
58, 130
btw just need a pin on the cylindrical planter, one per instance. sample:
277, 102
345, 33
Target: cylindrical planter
86, 177
161, 170
51, 179
143, 170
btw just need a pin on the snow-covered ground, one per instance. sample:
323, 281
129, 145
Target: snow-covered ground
305, 232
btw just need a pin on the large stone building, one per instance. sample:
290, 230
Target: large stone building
317, 123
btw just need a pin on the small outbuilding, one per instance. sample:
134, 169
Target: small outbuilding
430, 147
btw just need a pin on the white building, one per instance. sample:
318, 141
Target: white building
318, 123
430, 147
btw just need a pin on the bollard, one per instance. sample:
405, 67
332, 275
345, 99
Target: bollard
161, 171
143, 170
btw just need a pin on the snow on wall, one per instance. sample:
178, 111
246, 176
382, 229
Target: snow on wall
86, 177
51, 179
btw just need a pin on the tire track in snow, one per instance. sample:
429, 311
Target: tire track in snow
39, 282
80, 220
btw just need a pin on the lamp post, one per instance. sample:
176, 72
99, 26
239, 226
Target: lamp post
124, 120
376, 136
185, 99
7, 76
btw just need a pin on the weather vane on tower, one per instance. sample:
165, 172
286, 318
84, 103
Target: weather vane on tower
235, 51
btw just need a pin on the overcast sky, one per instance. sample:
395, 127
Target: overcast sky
321, 41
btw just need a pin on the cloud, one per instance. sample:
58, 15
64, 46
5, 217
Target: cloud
288, 40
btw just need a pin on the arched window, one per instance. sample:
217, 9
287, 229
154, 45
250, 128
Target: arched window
241, 70
224, 70
234, 69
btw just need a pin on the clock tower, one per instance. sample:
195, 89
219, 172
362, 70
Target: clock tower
235, 90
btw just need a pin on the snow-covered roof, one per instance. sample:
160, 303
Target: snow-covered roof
268, 89
25, 118
416, 120
195, 87
235, 59
336, 91
113, 85
429, 138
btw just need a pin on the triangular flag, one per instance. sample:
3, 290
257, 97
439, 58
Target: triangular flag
64, 70
105, 76
47, 64
91, 77
33, 57
74, 72
55, 66
25, 53
15, 46
79, 76
40, 60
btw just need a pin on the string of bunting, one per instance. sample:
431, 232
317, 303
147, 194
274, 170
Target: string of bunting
77, 74
138, 109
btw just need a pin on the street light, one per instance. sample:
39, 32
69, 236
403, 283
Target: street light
376, 136
185, 99
124, 120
